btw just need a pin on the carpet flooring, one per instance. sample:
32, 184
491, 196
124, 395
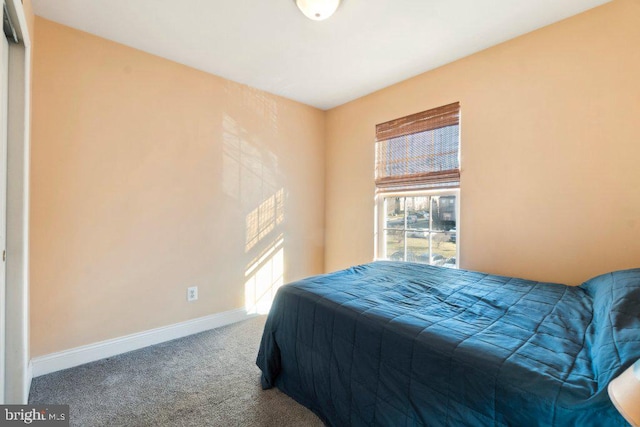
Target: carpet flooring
207, 379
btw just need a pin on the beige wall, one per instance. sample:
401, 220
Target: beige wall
550, 147
148, 177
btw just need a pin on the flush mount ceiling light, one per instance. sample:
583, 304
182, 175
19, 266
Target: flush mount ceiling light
317, 9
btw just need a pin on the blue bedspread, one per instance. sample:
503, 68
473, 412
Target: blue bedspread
400, 344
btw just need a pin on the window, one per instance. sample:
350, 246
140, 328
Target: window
417, 181
419, 228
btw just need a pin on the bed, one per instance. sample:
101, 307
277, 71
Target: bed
403, 344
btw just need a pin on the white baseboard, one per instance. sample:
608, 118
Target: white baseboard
89, 353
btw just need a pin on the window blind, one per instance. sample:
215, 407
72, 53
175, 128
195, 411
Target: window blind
419, 151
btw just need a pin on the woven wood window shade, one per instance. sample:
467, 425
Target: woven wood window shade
419, 151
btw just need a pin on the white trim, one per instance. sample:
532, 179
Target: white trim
89, 353
4, 99
17, 376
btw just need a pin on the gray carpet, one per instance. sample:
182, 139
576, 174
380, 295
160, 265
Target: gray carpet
207, 379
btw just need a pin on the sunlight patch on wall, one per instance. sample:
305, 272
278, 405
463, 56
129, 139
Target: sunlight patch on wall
264, 219
264, 276
252, 177
265, 273
250, 171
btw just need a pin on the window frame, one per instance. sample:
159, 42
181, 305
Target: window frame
380, 217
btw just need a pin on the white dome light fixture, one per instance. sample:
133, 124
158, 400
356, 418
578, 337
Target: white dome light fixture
317, 10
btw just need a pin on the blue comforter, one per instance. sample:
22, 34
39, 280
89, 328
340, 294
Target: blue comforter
400, 344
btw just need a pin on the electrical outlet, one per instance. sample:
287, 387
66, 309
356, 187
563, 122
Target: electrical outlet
192, 293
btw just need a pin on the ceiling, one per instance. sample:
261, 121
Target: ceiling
270, 45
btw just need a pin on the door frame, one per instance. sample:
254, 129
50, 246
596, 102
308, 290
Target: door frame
4, 103
17, 380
